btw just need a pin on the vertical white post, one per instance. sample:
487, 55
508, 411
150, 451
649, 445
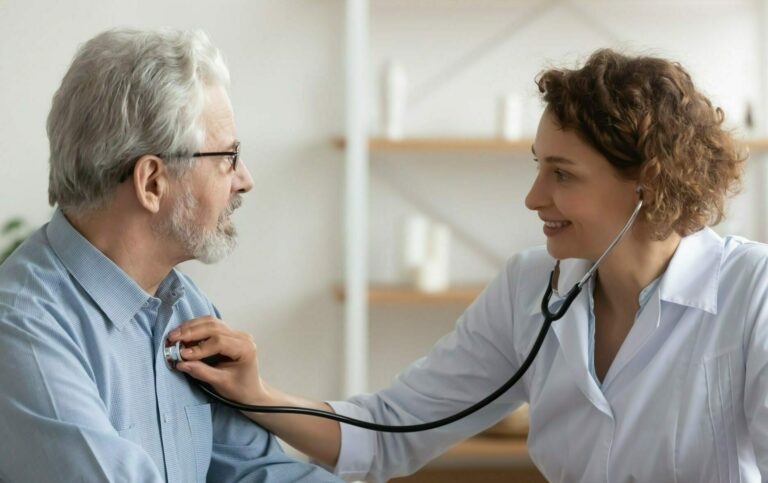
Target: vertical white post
762, 114
356, 200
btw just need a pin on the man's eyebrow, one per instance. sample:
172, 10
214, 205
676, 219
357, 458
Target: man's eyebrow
553, 159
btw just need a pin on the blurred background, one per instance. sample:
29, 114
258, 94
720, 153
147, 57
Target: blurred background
452, 110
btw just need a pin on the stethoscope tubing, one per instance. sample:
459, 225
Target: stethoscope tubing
413, 428
549, 318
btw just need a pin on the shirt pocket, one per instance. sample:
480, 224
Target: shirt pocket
721, 374
201, 432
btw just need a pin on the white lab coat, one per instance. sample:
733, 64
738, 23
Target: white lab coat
686, 398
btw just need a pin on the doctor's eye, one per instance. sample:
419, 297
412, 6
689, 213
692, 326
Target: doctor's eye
562, 175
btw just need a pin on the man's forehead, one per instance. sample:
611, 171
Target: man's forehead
218, 118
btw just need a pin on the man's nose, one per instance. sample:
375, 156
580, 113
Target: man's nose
242, 182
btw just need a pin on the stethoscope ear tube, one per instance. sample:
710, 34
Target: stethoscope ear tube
549, 317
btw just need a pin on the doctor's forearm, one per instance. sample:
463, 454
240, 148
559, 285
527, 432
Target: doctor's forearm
316, 437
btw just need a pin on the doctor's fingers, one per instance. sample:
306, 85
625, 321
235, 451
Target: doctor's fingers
238, 346
199, 329
218, 378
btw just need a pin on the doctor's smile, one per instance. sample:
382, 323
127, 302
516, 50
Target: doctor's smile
552, 228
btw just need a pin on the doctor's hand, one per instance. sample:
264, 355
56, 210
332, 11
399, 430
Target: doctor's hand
237, 376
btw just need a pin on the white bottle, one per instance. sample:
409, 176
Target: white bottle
511, 117
415, 232
395, 99
433, 275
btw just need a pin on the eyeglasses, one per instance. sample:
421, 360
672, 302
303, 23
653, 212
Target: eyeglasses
233, 157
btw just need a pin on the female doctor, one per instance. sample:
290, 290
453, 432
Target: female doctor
659, 370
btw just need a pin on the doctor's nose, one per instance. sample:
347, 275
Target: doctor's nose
537, 197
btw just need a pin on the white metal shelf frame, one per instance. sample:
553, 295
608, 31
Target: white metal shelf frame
356, 200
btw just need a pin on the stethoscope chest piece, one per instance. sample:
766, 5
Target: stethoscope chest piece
172, 354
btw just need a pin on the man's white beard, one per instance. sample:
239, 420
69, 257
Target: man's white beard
205, 246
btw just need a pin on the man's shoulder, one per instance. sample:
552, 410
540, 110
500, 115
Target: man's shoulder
34, 268
33, 282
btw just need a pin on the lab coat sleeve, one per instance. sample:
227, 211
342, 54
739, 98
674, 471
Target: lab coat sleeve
55, 425
476, 358
756, 375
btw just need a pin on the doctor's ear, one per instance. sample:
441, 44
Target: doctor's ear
150, 182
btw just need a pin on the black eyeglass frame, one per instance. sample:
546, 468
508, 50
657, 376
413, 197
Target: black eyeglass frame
234, 155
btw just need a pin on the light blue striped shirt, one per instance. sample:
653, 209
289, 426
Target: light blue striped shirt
86, 394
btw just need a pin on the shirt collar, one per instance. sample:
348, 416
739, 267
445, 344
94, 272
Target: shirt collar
116, 294
691, 279
693, 275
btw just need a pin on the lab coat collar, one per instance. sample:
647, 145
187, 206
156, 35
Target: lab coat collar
691, 279
693, 274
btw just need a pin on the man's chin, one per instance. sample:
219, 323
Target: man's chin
217, 251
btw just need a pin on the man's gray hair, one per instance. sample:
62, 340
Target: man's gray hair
128, 93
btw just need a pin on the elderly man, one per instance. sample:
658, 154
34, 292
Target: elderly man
145, 169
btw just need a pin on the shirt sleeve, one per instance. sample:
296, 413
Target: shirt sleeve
245, 452
474, 360
55, 424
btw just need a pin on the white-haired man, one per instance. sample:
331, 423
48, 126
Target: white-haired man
145, 169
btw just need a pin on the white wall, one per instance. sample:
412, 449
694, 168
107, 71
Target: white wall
287, 90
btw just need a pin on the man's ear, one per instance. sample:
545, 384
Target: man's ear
150, 182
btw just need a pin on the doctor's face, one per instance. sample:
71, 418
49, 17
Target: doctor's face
578, 194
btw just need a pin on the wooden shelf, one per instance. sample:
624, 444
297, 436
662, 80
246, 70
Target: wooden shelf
443, 144
487, 446
756, 145
401, 294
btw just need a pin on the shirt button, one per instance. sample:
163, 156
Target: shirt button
146, 304
167, 417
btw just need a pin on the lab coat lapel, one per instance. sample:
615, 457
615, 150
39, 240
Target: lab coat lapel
642, 330
572, 333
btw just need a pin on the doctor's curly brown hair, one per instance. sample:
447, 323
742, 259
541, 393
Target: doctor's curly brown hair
647, 118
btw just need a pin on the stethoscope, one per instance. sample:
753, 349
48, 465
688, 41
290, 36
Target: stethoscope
173, 354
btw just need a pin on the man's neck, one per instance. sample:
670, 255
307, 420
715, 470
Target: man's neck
129, 242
